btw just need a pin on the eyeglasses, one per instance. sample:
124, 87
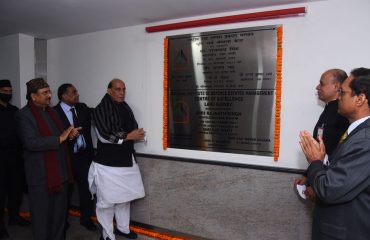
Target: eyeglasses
342, 92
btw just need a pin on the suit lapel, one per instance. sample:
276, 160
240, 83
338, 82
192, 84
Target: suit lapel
62, 115
80, 113
363, 125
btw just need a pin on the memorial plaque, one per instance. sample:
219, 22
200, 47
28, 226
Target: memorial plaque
222, 90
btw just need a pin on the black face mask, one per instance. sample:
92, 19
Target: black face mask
5, 97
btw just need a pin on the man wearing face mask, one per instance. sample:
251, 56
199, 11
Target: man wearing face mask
11, 171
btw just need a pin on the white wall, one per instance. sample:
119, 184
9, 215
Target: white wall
333, 34
26, 64
9, 64
17, 64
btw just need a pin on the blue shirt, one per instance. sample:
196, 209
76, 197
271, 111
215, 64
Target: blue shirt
67, 111
80, 140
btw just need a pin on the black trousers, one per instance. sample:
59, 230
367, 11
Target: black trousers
80, 167
48, 212
11, 182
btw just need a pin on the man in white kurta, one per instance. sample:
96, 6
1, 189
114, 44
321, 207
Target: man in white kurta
114, 175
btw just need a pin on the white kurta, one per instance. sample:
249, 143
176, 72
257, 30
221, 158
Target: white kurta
114, 185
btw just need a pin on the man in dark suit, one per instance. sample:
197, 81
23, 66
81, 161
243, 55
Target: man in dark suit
342, 207
46, 161
11, 170
81, 150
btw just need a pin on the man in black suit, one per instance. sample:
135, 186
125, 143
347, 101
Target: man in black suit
342, 206
77, 114
11, 170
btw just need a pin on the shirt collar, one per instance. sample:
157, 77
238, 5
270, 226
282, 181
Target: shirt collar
65, 107
356, 123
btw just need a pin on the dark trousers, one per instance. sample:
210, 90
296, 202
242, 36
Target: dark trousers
80, 167
11, 182
48, 212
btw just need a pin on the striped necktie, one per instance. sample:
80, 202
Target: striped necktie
74, 117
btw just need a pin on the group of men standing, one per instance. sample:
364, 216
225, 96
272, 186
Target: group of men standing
58, 150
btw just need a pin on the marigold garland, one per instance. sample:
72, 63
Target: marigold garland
153, 234
139, 230
279, 65
165, 96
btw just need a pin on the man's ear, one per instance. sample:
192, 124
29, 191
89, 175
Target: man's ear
337, 85
32, 96
361, 99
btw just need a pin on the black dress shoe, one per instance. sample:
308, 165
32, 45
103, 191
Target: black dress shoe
107, 238
89, 225
18, 220
130, 235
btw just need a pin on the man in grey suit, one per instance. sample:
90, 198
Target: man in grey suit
46, 161
342, 210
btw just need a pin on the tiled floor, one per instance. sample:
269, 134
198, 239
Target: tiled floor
75, 232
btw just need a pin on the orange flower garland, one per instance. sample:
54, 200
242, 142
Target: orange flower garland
279, 65
165, 96
139, 230
153, 234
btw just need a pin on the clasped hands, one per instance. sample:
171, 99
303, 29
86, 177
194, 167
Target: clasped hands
312, 149
71, 133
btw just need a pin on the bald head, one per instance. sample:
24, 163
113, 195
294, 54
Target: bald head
330, 82
117, 90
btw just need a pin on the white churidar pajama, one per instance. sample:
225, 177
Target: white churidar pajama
115, 187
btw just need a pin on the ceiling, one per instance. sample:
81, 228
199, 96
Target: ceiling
58, 18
